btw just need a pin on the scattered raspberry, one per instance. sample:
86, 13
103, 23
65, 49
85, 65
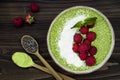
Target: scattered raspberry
90, 61
83, 30
77, 38
83, 56
93, 50
34, 7
29, 19
84, 47
75, 47
91, 36
18, 21
90, 26
86, 41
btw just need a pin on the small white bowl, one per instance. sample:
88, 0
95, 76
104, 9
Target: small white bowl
60, 60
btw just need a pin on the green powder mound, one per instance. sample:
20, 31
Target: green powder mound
21, 59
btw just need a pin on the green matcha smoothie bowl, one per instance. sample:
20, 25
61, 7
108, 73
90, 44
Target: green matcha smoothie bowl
61, 33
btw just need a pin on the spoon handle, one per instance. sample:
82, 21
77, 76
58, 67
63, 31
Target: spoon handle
47, 71
48, 66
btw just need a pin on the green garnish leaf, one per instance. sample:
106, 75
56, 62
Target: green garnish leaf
90, 21
78, 24
87, 21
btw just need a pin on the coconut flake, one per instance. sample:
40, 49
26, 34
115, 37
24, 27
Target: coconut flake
66, 42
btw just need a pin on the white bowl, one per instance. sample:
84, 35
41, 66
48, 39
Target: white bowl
104, 42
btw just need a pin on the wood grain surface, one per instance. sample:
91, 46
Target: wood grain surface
10, 37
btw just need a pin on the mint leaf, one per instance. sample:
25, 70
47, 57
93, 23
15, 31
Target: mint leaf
78, 24
87, 21
90, 21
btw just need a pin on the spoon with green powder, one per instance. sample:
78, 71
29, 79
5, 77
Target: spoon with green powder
23, 60
31, 46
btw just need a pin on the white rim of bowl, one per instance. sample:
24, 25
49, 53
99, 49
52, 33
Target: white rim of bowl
109, 53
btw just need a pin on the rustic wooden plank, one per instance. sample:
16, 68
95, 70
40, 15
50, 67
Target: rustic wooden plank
61, 6
10, 73
13, 72
10, 37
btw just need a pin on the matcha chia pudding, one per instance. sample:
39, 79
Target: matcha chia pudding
60, 39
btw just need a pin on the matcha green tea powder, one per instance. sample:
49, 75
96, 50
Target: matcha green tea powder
22, 59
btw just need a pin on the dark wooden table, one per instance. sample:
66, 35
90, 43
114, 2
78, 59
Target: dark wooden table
10, 37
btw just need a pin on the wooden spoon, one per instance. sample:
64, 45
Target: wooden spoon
31, 46
23, 60
65, 77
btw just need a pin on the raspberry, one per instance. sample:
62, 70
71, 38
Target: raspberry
86, 41
18, 21
82, 51
29, 19
77, 38
83, 56
90, 26
90, 61
84, 47
83, 30
93, 50
91, 36
34, 7
75, 47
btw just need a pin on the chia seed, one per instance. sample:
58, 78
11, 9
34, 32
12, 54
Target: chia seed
29, 45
